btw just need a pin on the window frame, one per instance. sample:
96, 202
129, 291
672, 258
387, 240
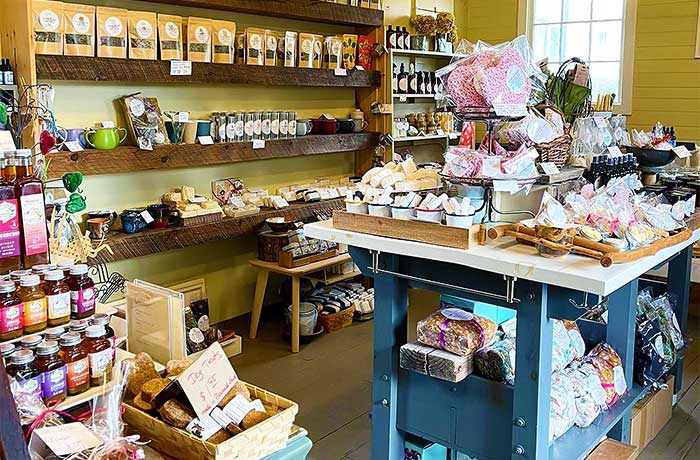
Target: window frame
629, 23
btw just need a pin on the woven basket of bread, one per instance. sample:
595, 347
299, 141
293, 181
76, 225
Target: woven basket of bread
254, 443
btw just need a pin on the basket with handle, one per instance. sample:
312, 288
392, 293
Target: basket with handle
557, 150
336, 321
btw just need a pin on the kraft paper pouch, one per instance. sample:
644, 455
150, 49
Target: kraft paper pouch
47, 18
223, 41
143, 34
170, 37
199, 39
79, 30
112, 32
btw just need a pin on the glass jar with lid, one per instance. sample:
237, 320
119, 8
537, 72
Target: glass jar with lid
54, 333
53, 372
34, 300
6, 349
79, 326
65, 267
57, 298
99, 352
103, 319
24, 370
82, 292
40, 270
16, 275
77, 363
30, 342
11, 312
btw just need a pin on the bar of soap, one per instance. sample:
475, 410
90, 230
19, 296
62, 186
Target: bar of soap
414, 357
436, 363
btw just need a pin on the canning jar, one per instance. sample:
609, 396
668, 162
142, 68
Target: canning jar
57, 298
11, 312
34, 300
82, 292
99, 352
24, 370
53, 372
77, 364
103, 319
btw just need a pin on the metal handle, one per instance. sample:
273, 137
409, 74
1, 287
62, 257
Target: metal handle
510, 282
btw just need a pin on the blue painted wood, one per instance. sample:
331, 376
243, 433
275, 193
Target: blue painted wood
657, 287
592, 332
622, 308
469, 416
678, 285
390, 311
533, 374
560, 306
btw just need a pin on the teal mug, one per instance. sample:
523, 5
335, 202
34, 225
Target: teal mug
304, 127
105, 138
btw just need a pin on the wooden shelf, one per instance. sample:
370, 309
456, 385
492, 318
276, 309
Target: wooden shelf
130, 159
414, 96
81, 68
330, 278
151, 242
426, 54
430, 137
302, 10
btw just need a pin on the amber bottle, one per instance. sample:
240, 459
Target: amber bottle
99, 352
11, 312
53, 372
10, 247
30, 192
82, 292
77, 363
103, 319
6, 349
57, 297
34, 300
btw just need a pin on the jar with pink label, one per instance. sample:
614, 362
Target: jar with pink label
11, 312
82, 292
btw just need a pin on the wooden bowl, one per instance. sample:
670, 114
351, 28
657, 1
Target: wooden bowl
554, 242
280, 224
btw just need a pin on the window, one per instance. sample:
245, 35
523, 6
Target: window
601, 32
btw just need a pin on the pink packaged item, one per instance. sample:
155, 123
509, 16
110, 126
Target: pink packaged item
460, 83
505, 82
462, 162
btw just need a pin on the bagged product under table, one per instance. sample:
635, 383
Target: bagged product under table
456, 330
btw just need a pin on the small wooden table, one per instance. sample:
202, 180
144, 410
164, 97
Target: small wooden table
264, 269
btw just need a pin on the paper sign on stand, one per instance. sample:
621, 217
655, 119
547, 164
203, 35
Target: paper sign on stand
64, 440
7, 144
180, 68
681, 151
341, 72
615, 151
549, 168
73, 146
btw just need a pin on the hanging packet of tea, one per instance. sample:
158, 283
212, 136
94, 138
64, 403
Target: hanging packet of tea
79, 30
333, 56
111, 32
375, 4
317, 55
306, 50
255, 46
170, 37
199, 39
270, 48
240, 48
143, 34
364, 3
47, 19
223, 36
349, 51
280, 49
290, 49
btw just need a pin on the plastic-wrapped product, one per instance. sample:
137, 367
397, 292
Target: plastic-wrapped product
669, 323
577, 344
456, 330
608, 364
562, 410
588, 392
462, 162
653, 355
497, 361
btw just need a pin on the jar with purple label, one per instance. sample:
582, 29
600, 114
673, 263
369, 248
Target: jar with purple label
24, 370
82, 292
54, 386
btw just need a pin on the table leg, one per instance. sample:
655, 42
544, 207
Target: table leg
260, 286
678, 285
622, 310
533, 374
390, 315
295, 314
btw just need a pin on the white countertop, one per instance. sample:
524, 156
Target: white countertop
510, 258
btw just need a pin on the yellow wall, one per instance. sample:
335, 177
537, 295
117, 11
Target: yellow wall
230, 282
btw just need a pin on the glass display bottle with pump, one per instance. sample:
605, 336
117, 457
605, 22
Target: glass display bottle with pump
30, 192
10, 246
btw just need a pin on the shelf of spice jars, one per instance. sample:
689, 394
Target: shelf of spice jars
97, 69
149, 242
130, 159
302, 10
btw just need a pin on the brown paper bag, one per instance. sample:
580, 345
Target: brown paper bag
290, 49
79, 30
170, 37
223, 37
255, 46
333, 55
199, 39
47, 19
270, 48
143, 33
112, 25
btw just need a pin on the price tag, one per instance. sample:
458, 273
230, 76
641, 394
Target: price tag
259, 144
549, 168
681, 151
147, 217
74, 146
206, 140
614, 150
180, 68
600, 122
68, 439
505, 186
440, 132
360, 68
208, 379
402, 98
107, 124
510, 110
238, 408
340, 72
183, 117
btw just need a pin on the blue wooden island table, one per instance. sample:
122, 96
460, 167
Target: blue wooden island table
482, 418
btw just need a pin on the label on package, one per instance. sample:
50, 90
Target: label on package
31, 386
78, 373
58, 305
54, 382
35, 311
203, 428
11, 318
238, 408
82, 300
681, 151
100, 363
34, 224
9, 229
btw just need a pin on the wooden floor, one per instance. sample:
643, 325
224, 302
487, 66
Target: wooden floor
331, 380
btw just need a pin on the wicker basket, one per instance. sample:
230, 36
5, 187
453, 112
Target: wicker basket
556, 151
270, 244
253, 444
337, 321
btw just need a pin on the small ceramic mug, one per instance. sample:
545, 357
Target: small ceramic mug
346, 125
105, 138
304, 127
190, 136
98, 227
77, 134
360, 125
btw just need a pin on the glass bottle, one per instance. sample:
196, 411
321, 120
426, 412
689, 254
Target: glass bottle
6, 349
11, 312
10, 246
53, 372
78, 326
77, 363
23, 369
394, 78
54, 333
30, 192
403, 80
82, 292
412, 81
34, 299
30, 342
99, 352
390, 38
57, 298
103, 319
406, 39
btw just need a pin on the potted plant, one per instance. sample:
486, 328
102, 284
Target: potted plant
425, 27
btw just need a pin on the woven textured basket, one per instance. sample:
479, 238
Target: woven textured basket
253, 444
337, 321
556, 151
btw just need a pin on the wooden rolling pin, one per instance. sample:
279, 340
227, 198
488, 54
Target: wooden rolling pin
556, 246
497, 232
630, 256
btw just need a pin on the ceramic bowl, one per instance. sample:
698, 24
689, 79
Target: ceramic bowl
280, 224
356, 207
459, 221
403, 213
429, 215
381, 210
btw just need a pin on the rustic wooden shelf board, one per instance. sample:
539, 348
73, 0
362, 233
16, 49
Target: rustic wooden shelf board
131, 159
302, 10
81, 68
565, 174
151, 242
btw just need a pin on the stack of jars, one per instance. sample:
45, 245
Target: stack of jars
425, 124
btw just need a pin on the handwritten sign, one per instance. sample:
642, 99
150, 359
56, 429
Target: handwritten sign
341, 73
614, 150
146, 216
107, 124
600, 122
206, 140
208, 379
68, 439
183, 117
681, 151
73, 146
258, 144
549, 168
180, 68
510, 110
